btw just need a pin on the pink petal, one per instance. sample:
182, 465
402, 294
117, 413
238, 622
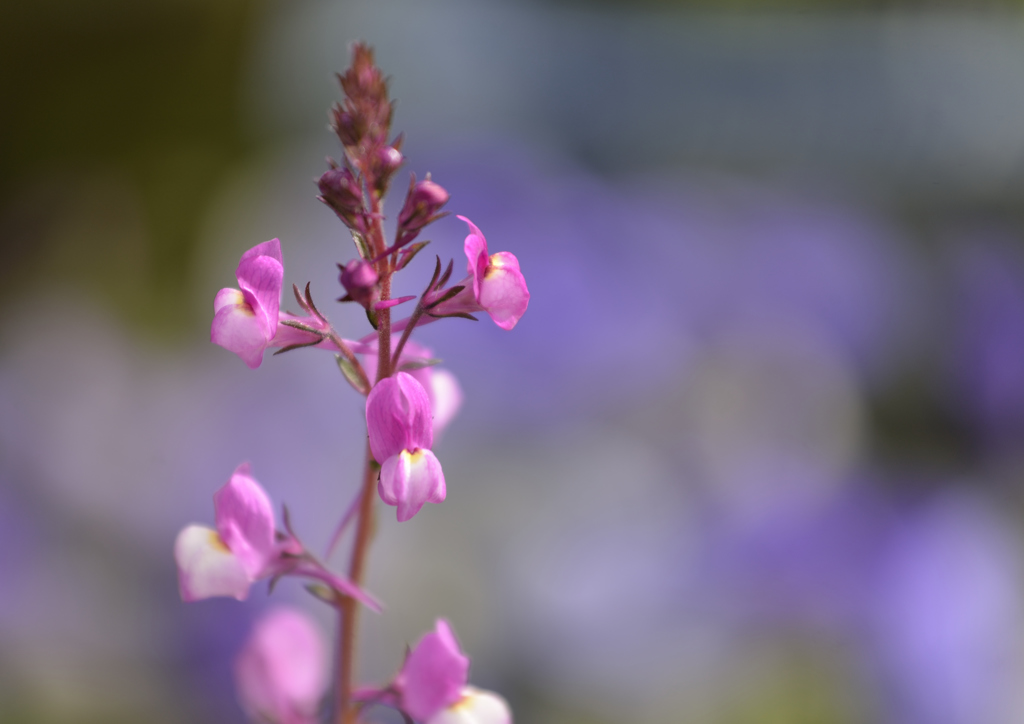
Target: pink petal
410, 479
476, 253
282, 671
475, 706
398, 416
206, 567
237, 328
503, 292
245, 521
434, 674
445, 398
261, 273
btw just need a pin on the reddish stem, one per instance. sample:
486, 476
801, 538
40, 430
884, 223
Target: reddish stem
346, 713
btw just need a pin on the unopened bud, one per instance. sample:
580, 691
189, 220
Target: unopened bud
386, 160
360, 281
424, 200
340, 190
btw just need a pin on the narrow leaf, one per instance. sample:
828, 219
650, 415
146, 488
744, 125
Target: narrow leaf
372, 316
351, 374
299, 345
322, 592
419, 363
437, 273
296, 324
447, 274
299, 299
361, 246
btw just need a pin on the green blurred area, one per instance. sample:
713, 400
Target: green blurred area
121, 118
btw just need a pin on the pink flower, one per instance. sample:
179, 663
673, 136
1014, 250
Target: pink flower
442, 387
494, 285
281, 674
398, 420
474, 706
246, 547
248, 320
226, 561
433, 675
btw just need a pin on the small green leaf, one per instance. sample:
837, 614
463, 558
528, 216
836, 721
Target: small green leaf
463, 315
418, 364
371, 315
361, 246
351, 374
322, 592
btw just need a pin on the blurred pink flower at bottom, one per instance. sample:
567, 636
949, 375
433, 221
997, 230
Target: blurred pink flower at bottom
281, 674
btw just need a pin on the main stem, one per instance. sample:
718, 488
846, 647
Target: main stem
346, 713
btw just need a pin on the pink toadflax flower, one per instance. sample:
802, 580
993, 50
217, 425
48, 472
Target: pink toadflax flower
281, 674
494, 285
398, 420
433, 675
226, 561
245, 547
431, 687
248, 320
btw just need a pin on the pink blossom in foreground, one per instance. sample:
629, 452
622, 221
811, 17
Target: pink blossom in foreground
433, 675
281, 674
400, 427
494, 285
475, 706
248, 320
442, 387
246, 547
226, 561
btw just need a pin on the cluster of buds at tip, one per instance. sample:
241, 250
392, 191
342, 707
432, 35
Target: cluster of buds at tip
363, 120
422, 204
359, 279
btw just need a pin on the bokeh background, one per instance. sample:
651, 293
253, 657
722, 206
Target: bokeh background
754, 454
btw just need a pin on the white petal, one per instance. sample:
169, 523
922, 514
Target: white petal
475, 707
206, 567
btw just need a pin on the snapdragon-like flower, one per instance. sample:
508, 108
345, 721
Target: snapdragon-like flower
242, 549
494, 285
246, 547
442, 387
432, 686
281, 674
398, 420
248, 320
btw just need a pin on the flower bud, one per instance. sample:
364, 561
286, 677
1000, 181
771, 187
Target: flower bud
340, 190
424, 200
360, 281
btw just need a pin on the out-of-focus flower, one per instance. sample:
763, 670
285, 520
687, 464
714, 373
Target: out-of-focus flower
494, 285
475, 706
431, 687
442, 387
247, 321
398, 420
433, 675
226, 561
281, 674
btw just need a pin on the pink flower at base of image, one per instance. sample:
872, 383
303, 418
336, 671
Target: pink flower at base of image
432, 685
281, 674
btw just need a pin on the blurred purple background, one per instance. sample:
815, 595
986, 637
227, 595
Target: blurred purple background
754, 454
